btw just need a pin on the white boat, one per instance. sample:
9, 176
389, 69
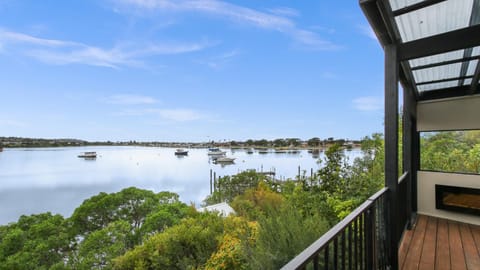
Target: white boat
216, 152
224, 160
181, 152
88, 155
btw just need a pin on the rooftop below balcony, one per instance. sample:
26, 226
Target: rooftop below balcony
435, 243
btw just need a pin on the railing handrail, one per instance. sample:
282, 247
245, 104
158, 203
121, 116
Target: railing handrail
403, 177
307, 254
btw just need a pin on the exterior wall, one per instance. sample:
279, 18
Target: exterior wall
426, 193
449, 114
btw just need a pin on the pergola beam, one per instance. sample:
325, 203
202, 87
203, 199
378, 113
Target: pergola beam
450, 92
441, 43
416, 6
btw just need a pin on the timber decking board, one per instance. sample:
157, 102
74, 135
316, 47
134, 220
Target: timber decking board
442, 258
438, 244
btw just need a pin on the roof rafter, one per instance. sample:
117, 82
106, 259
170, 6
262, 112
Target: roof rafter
454, 61
454, 40
445, 80
416, 6
450, 92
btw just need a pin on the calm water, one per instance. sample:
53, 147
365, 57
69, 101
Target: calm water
37, 180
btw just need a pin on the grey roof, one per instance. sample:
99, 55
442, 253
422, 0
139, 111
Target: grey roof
438, 43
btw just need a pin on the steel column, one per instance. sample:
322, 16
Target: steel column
391, 150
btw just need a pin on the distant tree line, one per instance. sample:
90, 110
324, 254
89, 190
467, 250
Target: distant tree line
15, 142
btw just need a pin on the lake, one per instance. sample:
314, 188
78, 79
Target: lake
36, 180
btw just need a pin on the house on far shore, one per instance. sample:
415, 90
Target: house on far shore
223, 209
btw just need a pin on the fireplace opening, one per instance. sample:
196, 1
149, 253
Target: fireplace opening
458, 199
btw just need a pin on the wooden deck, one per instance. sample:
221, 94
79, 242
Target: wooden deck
439, 244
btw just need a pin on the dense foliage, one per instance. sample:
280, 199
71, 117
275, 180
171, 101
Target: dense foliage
451, 151
140, 229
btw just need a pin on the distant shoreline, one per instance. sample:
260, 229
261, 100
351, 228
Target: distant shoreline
18, 142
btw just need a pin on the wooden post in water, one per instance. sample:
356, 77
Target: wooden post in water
311, 172
211, 181
299, 172
214, 181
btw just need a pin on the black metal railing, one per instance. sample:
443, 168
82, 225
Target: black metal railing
357, 242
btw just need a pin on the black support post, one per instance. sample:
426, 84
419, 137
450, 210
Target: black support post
409, 119
391, 150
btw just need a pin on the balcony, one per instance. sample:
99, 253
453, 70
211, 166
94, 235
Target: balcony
432, 50
436, 243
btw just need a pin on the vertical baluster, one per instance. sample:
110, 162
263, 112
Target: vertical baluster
342, 253
335, 253
362, 242
315, 262
326, 258
355, 239
350, 257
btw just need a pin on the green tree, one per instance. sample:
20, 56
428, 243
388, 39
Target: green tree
98, 249
34, 242
228, 187
187, 245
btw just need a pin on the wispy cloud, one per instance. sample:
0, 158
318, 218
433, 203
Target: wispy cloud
219, 61
175, 115
284, 11
368, 103
126, 99
269, 21
180, 115
62, 52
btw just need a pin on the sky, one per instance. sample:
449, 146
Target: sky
189, 71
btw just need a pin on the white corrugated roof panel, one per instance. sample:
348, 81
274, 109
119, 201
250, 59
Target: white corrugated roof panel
471, 67
436, 19
476, 51
398, 4
433, 86
437, 73
437, 58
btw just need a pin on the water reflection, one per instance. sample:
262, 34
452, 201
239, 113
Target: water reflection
56, 180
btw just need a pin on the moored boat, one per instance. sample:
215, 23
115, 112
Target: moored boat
88, 155
181, 152
216, 152
224, 160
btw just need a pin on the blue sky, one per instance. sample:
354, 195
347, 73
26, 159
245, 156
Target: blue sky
173, 70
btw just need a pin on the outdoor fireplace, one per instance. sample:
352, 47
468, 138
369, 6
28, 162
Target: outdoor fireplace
458, 199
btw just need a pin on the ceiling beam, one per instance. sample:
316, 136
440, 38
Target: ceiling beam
450, 92
445, 80
441, 43
416, 6
443, 63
